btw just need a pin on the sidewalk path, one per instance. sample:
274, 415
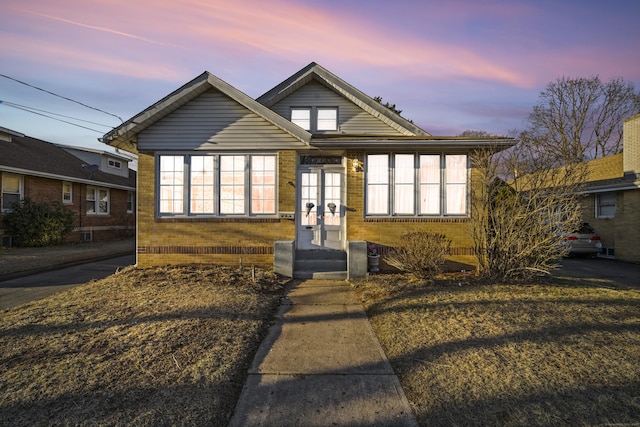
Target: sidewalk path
322, 365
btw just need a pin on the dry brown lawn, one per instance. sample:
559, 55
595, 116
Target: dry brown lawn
564, 352
159, 346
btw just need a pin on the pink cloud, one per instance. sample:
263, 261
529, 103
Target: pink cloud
52, 53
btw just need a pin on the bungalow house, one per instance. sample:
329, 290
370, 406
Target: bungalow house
301, 177
96, 185
612, 202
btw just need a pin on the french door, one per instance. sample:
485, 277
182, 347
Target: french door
320, 212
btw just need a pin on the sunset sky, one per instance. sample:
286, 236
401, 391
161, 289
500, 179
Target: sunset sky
450, 65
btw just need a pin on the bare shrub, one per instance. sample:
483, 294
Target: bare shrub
421, 254
521, 206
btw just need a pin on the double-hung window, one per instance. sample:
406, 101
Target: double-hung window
97, 201
606, 205
416, 184
12, 190
217, 185
67, 192
316, 119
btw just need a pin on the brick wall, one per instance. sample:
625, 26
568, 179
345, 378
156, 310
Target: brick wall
163, 241
119, 223
387, 232
631, 132
228, 241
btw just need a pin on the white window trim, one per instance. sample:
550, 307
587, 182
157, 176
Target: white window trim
314, 117
186, 188
96, 201
114, 164
20, 189
70, 201
391, 189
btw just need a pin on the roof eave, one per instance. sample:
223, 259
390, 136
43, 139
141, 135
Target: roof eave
377, 144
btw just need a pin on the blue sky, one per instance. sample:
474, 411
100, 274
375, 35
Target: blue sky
450, 65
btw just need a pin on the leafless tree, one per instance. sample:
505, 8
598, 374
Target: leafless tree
520, 208
579, 119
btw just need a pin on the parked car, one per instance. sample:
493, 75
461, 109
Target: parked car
585, 241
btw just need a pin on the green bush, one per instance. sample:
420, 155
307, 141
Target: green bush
38, 224
421, 254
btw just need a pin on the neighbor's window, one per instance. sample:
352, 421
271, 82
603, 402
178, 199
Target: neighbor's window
116, 164
131, 201
425, 184
97, 201
606, 205
67, 192
301, 117
12, 190
217, 185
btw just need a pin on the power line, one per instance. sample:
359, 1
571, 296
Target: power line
49, 117
60, 96
33, 109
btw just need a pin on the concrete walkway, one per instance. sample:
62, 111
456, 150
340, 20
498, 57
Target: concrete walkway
322, 365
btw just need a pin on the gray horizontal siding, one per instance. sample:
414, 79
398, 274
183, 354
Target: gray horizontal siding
352, 119
212, 121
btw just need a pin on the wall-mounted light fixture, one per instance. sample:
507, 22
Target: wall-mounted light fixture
356, 165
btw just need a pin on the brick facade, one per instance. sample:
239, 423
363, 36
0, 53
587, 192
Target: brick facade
163, 241
118, 223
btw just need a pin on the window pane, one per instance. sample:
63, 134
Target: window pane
103, 205
202, 192
404, 192
456, 169
232, 176
430, 184
456, 184
327, 118
263, 188
10, 183
171, 184
606, 205
301, 117
378, 184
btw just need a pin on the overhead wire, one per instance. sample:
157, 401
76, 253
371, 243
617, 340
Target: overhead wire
60, 96
41, 113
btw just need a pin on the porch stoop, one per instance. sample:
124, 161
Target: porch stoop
320, 264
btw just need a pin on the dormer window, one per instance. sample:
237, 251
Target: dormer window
116, 164
301, 117
317, 119
327, 119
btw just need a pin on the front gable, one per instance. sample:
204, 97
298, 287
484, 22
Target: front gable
352, 119
214, 121
315, 85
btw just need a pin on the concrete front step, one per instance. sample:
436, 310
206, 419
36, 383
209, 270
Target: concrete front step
320, 264
326, 275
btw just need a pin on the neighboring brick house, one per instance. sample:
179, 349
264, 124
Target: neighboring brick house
612, 203
301, 177
96, 185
